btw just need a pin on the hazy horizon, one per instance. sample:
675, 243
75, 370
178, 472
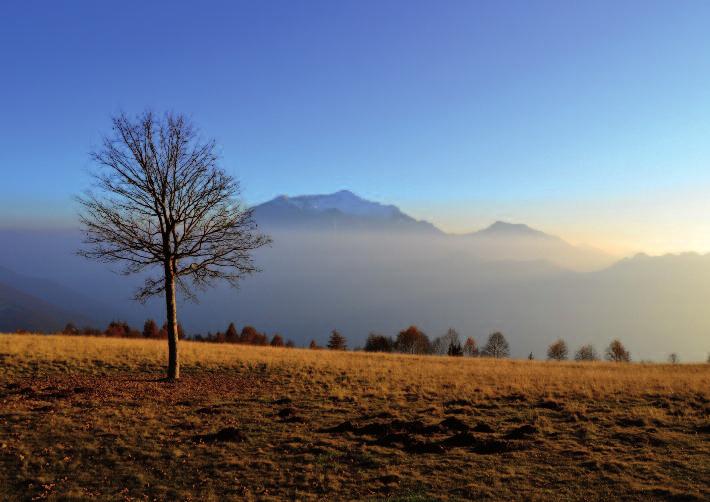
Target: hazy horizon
463, 224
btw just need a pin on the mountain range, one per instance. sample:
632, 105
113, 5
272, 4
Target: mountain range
340, 261
341, 210
345, 212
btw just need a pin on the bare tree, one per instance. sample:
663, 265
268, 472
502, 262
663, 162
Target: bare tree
557, 351
616, 352
586, 353
496, 346
443, 343
412, 341
161, 203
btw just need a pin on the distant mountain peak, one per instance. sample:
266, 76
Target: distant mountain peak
500, 225
343, 206
506, 229
344, 201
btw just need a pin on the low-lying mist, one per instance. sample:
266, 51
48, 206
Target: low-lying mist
362, 282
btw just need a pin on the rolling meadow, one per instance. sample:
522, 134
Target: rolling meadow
90, 418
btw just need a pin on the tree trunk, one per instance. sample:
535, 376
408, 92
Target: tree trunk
173, 360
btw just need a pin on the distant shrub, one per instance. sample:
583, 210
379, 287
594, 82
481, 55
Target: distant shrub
470, 348
337, 341
586, 353
531, 357
277, 341
454, 349
412, 341
251, 336
673, 358
617, 353
496, 346
440, 345
557, 351
379, 343
313, 345
231, 335
121, 329
150, 329
290, 344
70, 329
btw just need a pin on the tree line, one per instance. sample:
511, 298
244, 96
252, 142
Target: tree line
414, 341
248, 335
411, 340
121, 329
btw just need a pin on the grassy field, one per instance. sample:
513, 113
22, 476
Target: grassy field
84, 418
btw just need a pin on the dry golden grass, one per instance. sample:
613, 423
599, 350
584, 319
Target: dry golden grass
88, 418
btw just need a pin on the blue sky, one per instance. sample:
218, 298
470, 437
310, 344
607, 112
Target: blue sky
591, 121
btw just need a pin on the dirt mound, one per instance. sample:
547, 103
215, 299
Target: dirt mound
456, 411
409, 443
226, 435
209, 410
516, 397
346, 426
383, 428
388, 479
394, 438
477, 445
639, 439
483, 427
426, 447
549, 404
457, 402
631, 422
383, 415
453, 424
286, 412
522, 432
460, 440
289, 415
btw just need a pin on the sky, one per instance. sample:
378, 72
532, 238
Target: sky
588, 121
